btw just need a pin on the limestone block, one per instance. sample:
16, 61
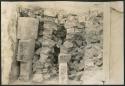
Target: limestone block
48, 36
93, 36
27, 28
48, 19
25, 50
45, 50
69, 35
70, 30
47, 32
45, 70
50, 12
81, 18
37, 66
89, 64
78, 30
43, 58
37, 78
61, 17
71, 22
68, 44
46, 76
63, 49
25, 70
50, 25
48, 43
37, 52
63, 75
63, 58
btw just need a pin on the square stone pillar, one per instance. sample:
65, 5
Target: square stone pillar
26, 33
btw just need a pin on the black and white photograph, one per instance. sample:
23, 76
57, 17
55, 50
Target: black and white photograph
62, 43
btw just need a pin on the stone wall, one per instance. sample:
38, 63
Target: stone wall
59, 21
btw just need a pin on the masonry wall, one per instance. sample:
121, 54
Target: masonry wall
9, 41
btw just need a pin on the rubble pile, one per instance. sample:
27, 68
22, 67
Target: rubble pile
76, 37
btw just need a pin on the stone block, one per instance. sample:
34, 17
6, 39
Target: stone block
48, 43
25, 70
81, 25
25, 50
45, 50
46, 76
78, 30
50, 25
37, 52
27, 28
43, 57
47, 32
64, 58
37, 78
68, 44
63, 49
50, 12
71, 22
70, 30
63, 75
48, 19
69, 35
48, 36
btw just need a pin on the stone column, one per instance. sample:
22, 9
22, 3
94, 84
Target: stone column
27, 33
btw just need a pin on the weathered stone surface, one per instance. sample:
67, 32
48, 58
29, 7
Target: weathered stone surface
69, 35
46, 76
68, 44
43, 58
71, 22
50, 12
38, 51
65, 50
48, 43
78, 30
35, 58
89, 64
50, 25
71, 30
93, 36
25, 70
40, 32
37, 44
47, 36
47, 32
40, 39
25, 50
37, 78
27, 28
63, 58
45, 50
49, 19
81, 18
63, 73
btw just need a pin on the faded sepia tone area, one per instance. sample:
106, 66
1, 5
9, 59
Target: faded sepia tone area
62, 42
